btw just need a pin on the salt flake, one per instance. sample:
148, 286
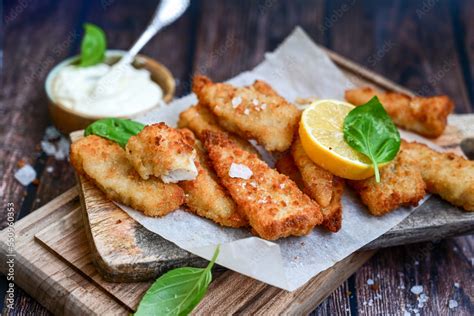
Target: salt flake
25, 175
370, 282
417, 289
236, 101
240, 171
452, 304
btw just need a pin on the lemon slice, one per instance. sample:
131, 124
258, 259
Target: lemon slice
322, 137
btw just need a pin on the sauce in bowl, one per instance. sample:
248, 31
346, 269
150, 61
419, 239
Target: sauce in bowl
105, 90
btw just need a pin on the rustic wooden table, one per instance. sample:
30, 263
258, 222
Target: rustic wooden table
427, 46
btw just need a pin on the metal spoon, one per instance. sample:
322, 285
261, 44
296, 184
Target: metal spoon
167, 12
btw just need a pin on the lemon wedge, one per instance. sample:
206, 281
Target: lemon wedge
322, 137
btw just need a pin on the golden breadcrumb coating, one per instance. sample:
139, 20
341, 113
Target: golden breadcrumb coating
317, 180
105, 163
253, 112
446, 174
332, 213
273, 204
424, 115
400, 184
205, 197
198, 118
162, 151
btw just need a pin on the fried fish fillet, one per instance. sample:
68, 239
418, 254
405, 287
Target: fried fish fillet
446, 174
317, 180
332, 213
205, 197
273, 204
198, 119
286, 165
164, 152
401, 184
105, 163
424, 115
253, 112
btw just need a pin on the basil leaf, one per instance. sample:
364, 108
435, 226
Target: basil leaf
115, 129
369, 130
93, 46
177, 292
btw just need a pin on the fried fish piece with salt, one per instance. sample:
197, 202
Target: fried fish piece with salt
273, 204
332, 213
401, 184
198, 119
164, 152
317, 180
253, 112
426, 116
446, 174
205, 197
106, 165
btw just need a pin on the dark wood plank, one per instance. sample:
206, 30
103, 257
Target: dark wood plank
462, 12
406, 42
234, 36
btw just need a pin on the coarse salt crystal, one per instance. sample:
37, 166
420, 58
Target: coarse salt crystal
422, 299
236, 101
49, 169
240, 171
253, 184
370, 282
417, 289
456, 284
452, 304
282, 186
246, 111
263, 106
51, 133
48, 148
25, 175
255, 102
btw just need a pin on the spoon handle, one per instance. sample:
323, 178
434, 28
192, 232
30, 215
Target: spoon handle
166, 12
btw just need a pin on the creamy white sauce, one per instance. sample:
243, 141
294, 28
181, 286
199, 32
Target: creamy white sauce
104, 90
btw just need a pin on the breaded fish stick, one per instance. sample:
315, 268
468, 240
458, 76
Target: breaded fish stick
273, 204
424, 115
104, 162
332, 213
198, 119
253, 112
317, 180
205, 197
400, 184
446, 174
164, 152
286, 165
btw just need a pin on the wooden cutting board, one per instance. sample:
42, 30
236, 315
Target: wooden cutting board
124, 251
59, 257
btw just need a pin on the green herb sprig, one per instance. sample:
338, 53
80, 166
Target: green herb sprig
370, 130
115, 129
93, 46
177, 291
